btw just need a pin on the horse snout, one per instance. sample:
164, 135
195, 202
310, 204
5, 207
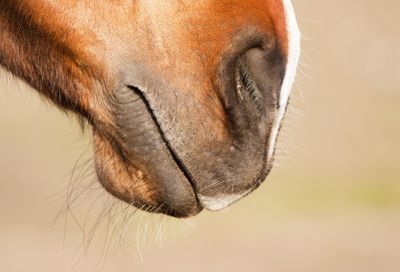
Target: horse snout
250, 89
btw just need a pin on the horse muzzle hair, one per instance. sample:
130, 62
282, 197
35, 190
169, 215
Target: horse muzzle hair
185, 98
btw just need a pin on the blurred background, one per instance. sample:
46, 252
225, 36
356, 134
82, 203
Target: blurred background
332, 203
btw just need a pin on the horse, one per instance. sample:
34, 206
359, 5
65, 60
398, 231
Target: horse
185, 99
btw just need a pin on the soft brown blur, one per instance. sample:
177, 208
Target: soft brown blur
331, 204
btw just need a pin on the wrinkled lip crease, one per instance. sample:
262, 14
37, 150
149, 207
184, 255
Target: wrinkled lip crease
170, 149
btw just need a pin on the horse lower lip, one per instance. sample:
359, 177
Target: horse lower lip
164, 186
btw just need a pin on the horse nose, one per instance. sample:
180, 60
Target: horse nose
251, 84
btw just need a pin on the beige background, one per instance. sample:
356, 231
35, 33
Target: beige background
331, 204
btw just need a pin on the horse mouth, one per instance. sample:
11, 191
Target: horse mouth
169, 148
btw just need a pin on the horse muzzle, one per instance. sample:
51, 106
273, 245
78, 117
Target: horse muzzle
174, 151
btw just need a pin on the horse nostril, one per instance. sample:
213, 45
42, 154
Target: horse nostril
251, 90
246, 87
